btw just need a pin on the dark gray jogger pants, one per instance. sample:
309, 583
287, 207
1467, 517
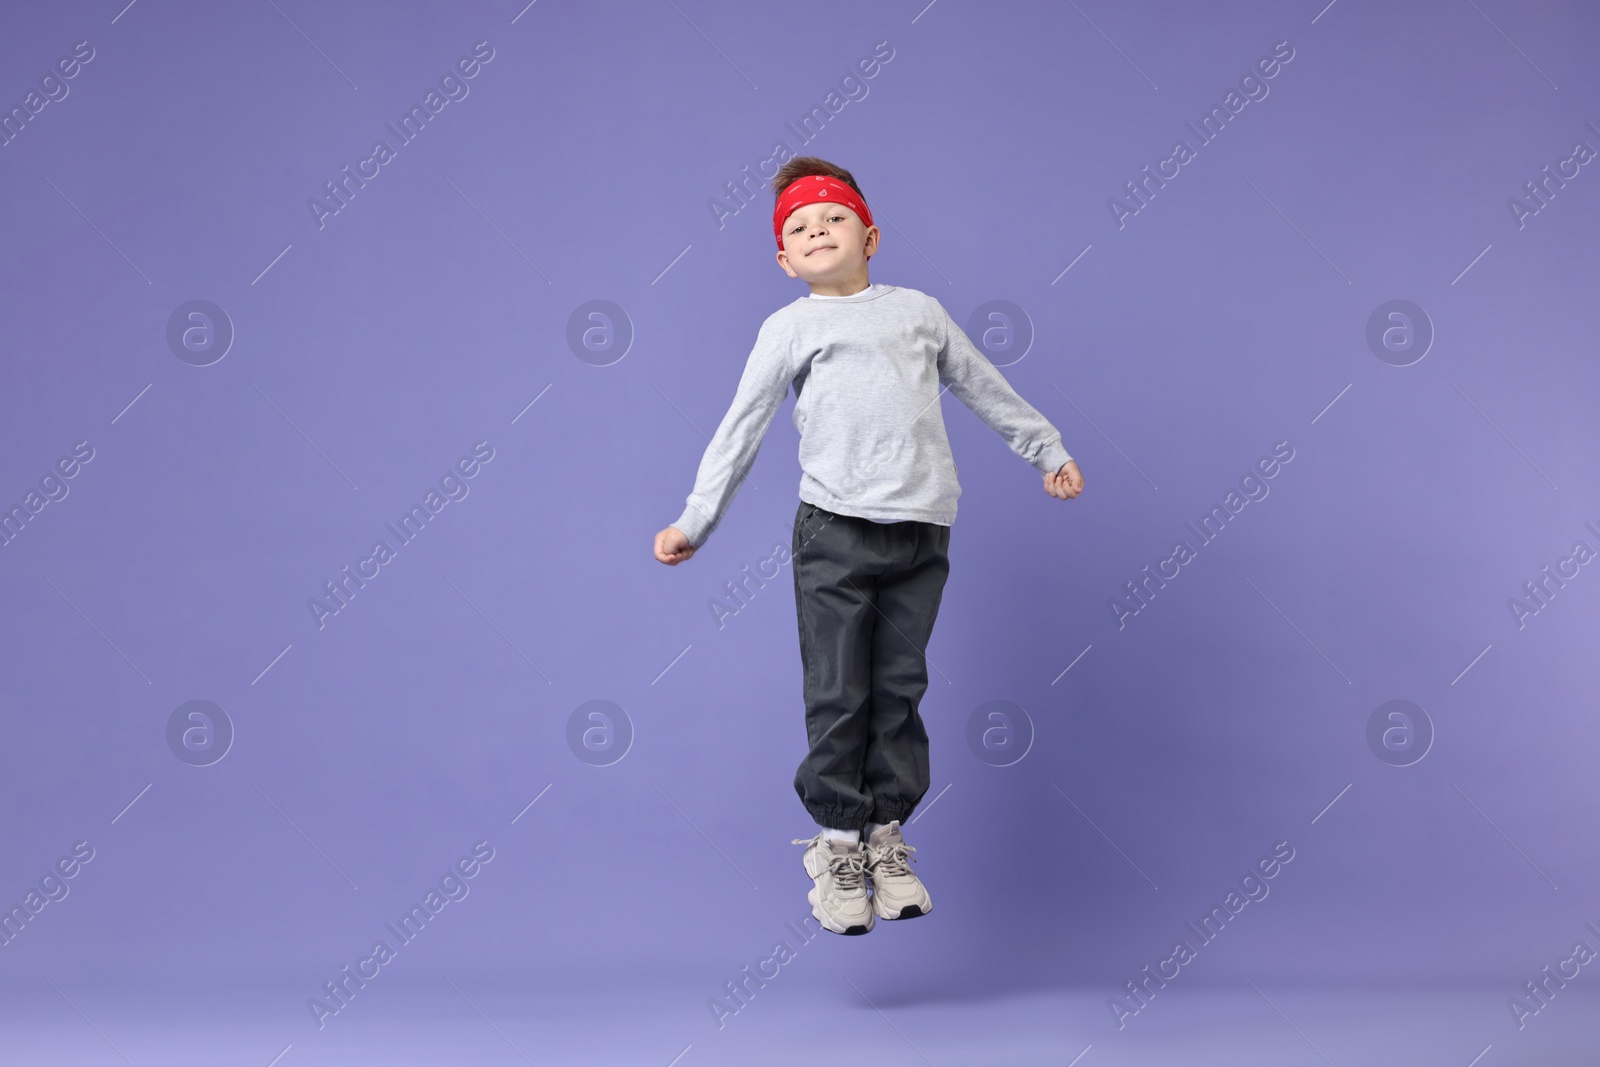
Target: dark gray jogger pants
866, 596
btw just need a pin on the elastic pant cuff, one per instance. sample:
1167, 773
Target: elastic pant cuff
837, 819
887, 815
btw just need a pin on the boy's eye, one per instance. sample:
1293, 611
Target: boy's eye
800, 226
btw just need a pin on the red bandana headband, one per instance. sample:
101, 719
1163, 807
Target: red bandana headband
813, 189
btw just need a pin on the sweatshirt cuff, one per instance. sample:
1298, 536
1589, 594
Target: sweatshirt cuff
1050, 460
694, 526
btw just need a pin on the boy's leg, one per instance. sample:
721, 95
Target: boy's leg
907, 599
833, 606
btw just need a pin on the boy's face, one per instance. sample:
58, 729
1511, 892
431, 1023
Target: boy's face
826, 243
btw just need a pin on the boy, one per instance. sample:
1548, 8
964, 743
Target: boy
878, 495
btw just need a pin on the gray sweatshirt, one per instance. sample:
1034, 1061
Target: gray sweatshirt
867, 371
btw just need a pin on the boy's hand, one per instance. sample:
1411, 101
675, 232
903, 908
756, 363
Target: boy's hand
1065, 483
672, 546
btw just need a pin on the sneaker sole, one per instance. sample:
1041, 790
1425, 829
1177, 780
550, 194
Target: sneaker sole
849, 931
910, 911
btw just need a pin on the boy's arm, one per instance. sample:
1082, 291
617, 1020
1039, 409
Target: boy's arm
977, 383
733, 448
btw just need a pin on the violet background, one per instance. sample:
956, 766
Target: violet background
434, 309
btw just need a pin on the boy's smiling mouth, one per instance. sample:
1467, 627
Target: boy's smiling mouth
823, 248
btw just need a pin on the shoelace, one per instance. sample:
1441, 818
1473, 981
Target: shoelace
892, 859
849, 869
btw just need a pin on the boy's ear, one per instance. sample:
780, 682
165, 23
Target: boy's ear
783, 261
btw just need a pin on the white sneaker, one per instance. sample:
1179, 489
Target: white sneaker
896, 892
839, 897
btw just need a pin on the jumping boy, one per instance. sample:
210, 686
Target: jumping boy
878, 496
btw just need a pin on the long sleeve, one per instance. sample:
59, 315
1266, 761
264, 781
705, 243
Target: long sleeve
733, 448
977, 383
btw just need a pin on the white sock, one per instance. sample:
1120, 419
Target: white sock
830, 834
872, 828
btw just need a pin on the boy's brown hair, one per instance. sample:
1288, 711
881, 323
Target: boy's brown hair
805, 166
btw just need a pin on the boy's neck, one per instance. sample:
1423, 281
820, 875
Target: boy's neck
850, 287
